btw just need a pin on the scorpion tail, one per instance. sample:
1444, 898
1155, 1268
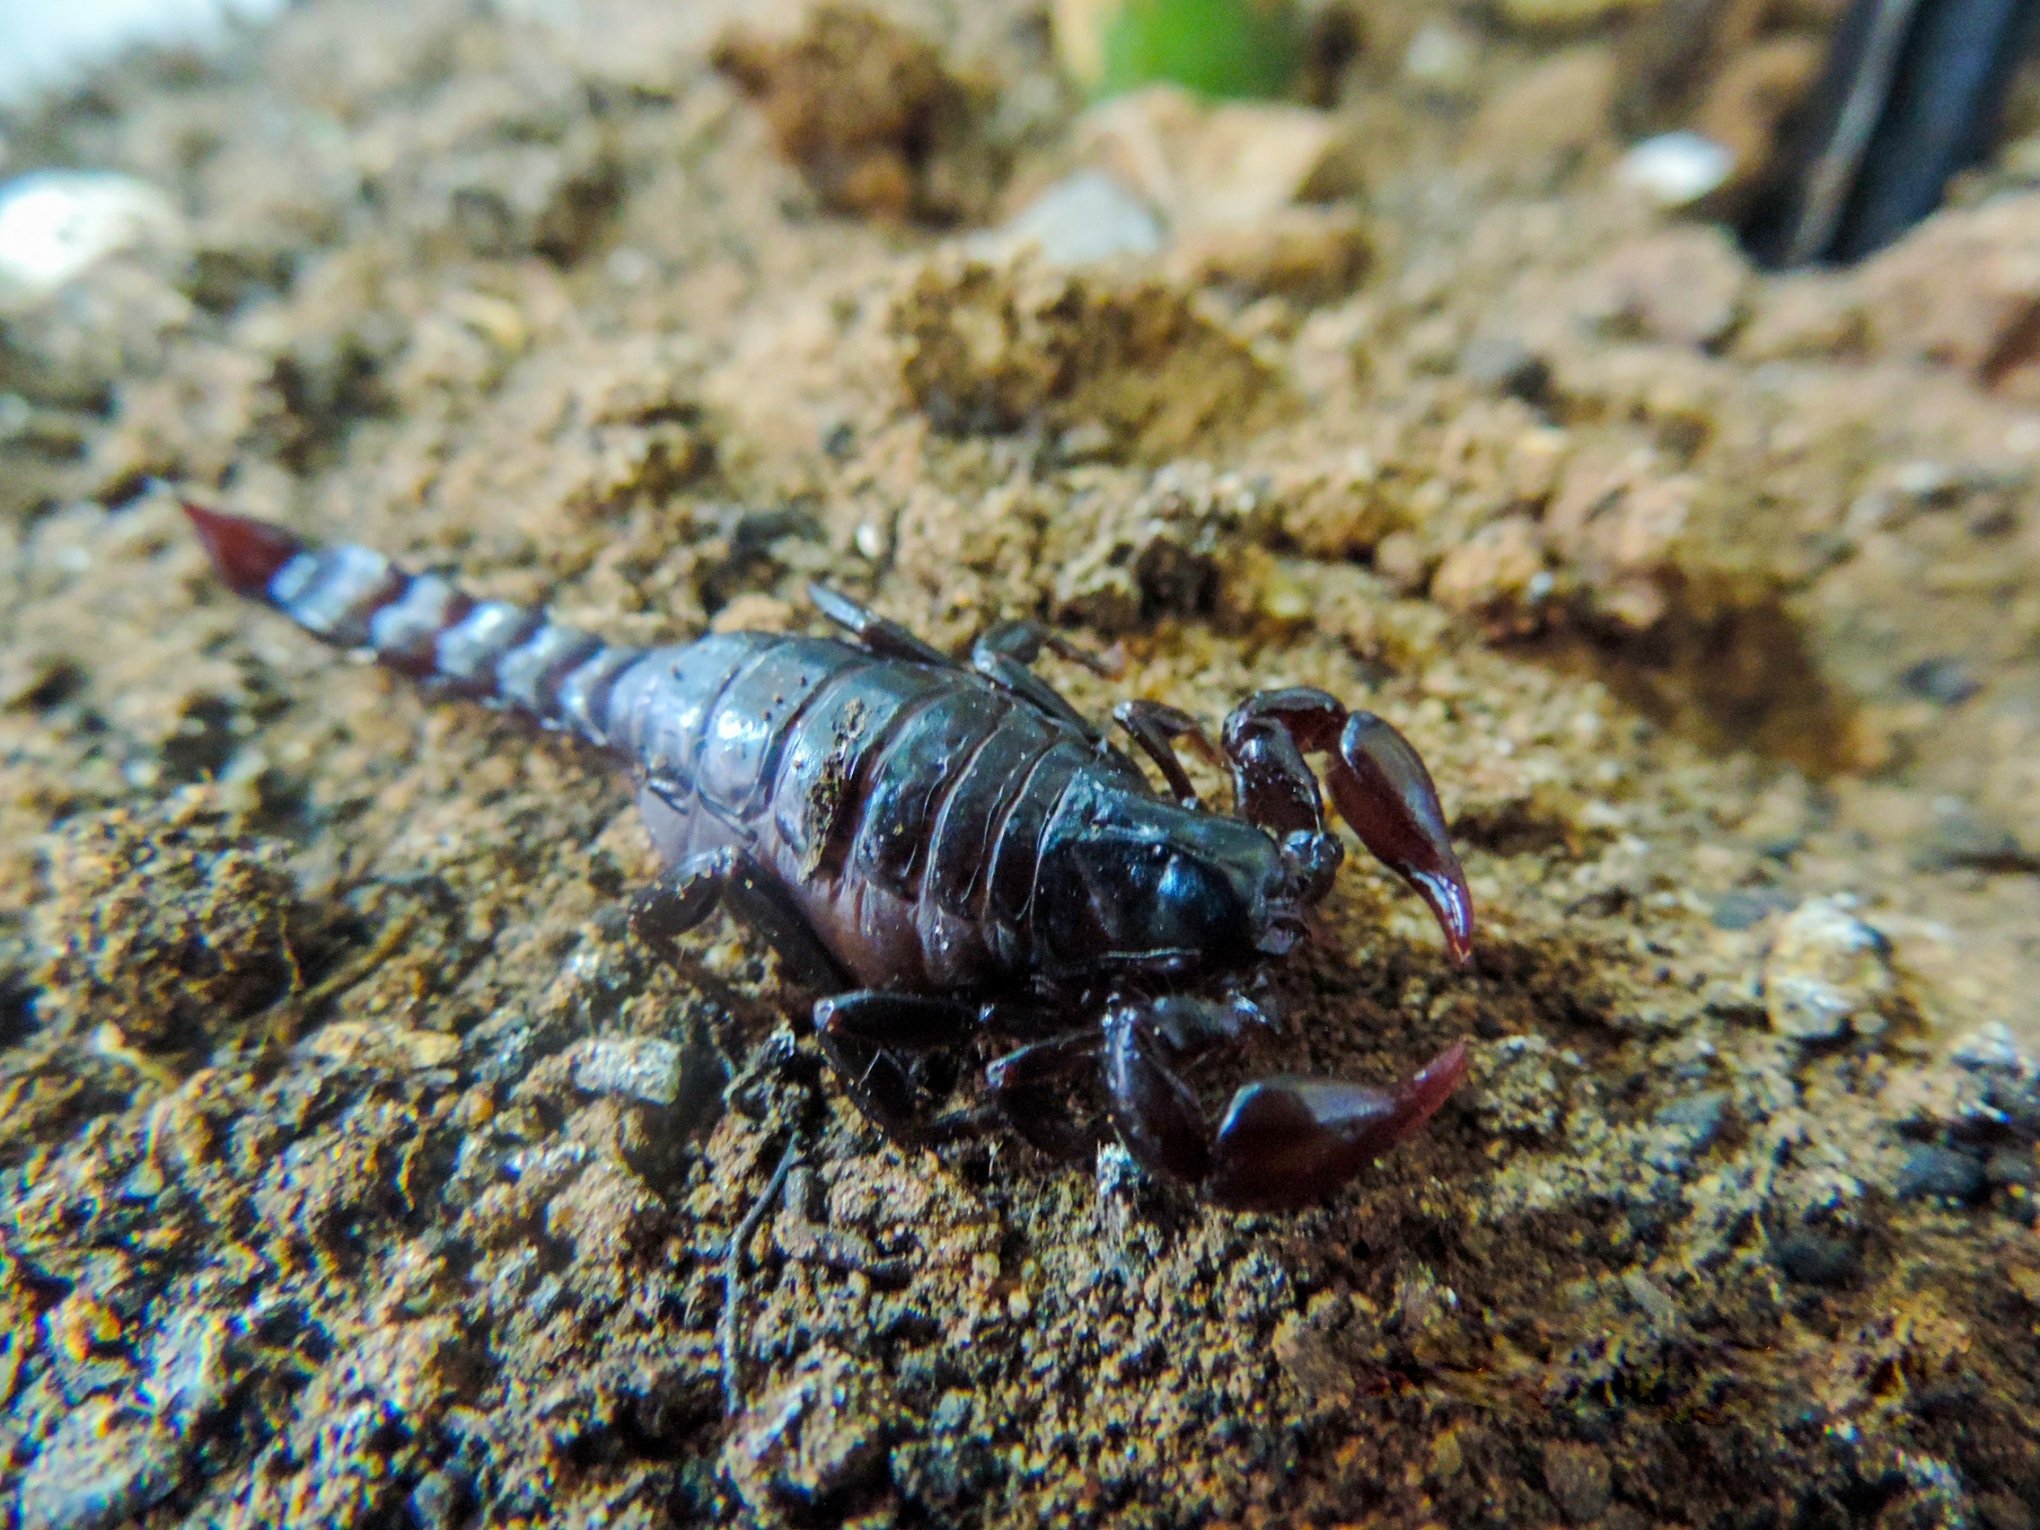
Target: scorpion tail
419, 624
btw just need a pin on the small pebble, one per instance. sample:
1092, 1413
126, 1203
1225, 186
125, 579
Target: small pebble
1577, 1477
638, 1066
1080, 220
1827, 974
2004, 1511
1500, 364
1743, 908
1813, 1259
1932, 1172
1961, 838
1442, 58
1686, 1130
1675, 170
2012, 1166
1696, 1122
1945, 681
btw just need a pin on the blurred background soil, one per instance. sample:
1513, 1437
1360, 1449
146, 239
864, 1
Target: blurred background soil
357, 1168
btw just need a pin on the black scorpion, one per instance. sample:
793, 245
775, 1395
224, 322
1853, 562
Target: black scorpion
946, 850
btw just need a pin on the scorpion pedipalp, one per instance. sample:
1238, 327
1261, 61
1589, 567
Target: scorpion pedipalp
1284, 1142
1287, 1142
1377, 779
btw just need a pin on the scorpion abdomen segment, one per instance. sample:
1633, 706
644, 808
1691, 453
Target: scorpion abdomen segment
901, 808
975, 809
832, 756
1016, 842
731, 751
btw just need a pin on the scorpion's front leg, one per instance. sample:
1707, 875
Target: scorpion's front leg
863, 1034
1284, 1142
1377, 779
1029, 1088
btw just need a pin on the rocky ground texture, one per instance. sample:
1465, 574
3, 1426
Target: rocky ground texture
356, 1167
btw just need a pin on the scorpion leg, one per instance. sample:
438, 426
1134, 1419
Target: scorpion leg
1377, 779
1003, 653
686, 895
1155, 1113
1024, 638
1024, 1090
860, 1032
883, 636
756, 897
1155, 726
679, 901
1284, 1142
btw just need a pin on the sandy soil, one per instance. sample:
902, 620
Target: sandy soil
357, 1168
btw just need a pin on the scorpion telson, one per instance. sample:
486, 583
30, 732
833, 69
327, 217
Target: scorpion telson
950, 850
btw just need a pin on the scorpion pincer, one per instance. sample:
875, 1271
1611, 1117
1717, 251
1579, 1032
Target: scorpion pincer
949, 850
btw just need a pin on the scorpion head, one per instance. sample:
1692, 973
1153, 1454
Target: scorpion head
1141, 886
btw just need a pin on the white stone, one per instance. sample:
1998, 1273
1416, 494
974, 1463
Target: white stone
638, 1067
1675, 169
1081, 219
56, 223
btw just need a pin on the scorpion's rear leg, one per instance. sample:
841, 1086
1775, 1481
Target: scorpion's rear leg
1284, 1143
1155, 726
692, 890
1377, 779
883, 636
1003, 653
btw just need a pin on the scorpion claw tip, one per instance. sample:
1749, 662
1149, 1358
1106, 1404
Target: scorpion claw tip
246, 552
1451, 903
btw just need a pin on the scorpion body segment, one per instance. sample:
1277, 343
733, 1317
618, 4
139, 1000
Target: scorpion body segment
946, 849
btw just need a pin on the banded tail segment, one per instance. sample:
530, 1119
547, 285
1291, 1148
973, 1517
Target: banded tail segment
419, 624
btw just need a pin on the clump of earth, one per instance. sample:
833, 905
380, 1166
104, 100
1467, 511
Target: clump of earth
357, 1166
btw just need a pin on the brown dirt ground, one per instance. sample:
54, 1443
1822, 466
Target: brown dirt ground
324, 1197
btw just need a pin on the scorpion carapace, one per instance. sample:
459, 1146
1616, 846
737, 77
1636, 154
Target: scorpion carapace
947, 850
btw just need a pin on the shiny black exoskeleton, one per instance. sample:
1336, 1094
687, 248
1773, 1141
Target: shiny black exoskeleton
949, 850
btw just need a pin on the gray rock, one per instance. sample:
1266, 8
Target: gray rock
820, 1434
1814, 1259
1932, 1172
2000, 1081
1689, 1126
2012, 1166
1827, 974
1744, 908
105, 1464
640, 1067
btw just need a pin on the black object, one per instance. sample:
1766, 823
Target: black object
1912, 94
